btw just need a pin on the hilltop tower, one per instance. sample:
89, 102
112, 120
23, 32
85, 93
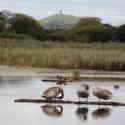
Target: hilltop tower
61, 12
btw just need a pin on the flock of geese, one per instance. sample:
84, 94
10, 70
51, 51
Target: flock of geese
84, 92
100, 93
58, 93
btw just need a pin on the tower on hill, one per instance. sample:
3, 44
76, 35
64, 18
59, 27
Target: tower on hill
61, 12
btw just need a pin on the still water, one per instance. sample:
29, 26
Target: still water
37, 114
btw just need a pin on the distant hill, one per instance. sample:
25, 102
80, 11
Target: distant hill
59, 21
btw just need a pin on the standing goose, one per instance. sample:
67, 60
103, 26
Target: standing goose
102, 93
83, 93
53, 93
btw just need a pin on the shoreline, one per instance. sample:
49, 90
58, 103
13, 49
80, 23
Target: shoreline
18, 72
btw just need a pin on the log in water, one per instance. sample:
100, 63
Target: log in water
111, 103
54, 80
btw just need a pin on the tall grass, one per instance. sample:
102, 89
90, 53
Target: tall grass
97, 56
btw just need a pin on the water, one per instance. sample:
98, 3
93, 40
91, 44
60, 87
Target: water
37, 114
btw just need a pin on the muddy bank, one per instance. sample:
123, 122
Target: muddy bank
29, 72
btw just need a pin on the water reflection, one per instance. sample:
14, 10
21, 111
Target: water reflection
25, 113
116, 86
101, 113
52, 110
82, 113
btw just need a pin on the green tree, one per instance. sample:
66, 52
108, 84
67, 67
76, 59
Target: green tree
2, 25
120, 33
90, 30
56, 35
27, 25
100, 33
88, 21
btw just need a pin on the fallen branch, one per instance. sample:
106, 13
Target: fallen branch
111, 103
54, 80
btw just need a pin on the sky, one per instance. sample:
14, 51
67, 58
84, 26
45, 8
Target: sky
110, 11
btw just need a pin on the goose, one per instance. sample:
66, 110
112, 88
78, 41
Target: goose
83, 93
53, 93
102, 93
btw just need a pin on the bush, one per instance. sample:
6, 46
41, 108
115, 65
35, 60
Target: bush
90, 30
120, 33
100, 33
89, 21
15, 36
1, 26
56, 35
27, 25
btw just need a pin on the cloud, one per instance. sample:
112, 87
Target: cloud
109, 10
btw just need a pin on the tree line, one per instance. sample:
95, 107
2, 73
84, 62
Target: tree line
91, 29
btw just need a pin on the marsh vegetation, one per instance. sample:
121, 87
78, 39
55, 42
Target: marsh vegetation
94, 56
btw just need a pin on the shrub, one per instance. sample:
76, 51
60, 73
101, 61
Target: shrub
1, 26
27, 25
120, 33
90, 30
56, 35
15, 36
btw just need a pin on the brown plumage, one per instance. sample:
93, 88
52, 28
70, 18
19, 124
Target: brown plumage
84, 93
53, 93
102, 93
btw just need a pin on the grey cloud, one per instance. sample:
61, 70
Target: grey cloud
108, 10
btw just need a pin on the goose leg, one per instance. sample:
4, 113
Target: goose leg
79, 99
87, 100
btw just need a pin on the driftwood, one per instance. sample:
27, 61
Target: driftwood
54, 80
60, 79
49, 80
111, 103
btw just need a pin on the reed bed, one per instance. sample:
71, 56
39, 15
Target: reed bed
68, 55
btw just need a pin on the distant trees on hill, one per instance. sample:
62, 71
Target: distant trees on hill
120, 33
21, 24
1, 25
27, 25
91, 29
56, 35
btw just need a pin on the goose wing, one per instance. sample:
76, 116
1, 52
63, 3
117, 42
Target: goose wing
51, 92
102, 93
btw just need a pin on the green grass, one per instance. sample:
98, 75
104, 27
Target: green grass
97, 56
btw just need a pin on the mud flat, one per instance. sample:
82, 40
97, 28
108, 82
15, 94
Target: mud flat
16, 72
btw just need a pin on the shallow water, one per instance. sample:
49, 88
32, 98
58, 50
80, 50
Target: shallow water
30, 114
